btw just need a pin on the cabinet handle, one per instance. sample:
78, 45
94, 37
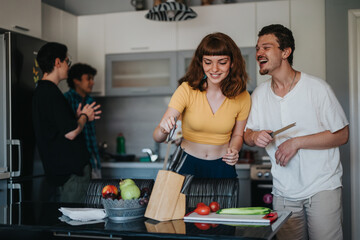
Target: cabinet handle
139, 48
265, 186
21, 28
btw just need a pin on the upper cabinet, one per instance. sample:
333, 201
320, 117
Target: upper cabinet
271, 12
131, 32
308, 27
141, 74
91, 47
60, 26
236, 20
23, 16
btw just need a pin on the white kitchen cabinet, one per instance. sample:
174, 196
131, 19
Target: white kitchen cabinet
60, 26
271, 12
91, 50
23, 16
128, 32
141, 74
307, 19
51, 23
236, 20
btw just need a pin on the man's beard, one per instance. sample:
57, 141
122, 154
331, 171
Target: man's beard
263, 72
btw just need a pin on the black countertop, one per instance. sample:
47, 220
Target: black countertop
42, 221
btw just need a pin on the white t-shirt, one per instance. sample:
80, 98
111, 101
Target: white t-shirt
313, 106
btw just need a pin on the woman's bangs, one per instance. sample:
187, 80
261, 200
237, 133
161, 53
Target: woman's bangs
216, 48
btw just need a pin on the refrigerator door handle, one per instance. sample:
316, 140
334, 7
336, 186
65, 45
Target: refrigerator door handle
12, 187
17, 142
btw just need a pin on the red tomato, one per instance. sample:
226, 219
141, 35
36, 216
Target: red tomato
202, 210
214, 225
202, 226
200, 204
214, 206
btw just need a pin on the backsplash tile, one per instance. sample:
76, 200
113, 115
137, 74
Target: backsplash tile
135, 117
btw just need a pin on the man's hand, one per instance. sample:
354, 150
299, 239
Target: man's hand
261, 138
286, 151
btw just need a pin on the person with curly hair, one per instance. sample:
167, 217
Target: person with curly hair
81, 81
214, 105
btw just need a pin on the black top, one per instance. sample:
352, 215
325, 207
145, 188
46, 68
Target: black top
53, 118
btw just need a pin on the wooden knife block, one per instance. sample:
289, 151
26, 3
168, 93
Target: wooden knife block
176, 226
166, 202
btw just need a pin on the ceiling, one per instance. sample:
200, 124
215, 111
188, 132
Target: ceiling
90, 7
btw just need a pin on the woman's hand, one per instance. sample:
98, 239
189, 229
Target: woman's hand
78, 110
167, 124
231, 157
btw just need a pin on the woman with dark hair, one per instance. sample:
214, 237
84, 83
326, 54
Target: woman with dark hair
214, 105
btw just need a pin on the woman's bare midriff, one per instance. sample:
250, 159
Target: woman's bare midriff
204, 151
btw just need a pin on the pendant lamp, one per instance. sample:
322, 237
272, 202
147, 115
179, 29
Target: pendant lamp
170, 11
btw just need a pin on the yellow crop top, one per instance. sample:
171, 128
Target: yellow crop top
199, 124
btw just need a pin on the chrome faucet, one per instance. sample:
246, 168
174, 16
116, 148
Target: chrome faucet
153, 157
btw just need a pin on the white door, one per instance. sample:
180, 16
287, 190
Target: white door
354, 78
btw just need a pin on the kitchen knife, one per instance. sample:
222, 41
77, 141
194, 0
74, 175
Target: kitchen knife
273, 134
181, 162
175, 158
186, 184
169, 141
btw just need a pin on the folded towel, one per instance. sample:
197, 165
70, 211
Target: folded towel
83, 214
72, 222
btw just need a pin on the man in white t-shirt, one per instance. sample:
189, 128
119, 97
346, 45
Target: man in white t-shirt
305, 159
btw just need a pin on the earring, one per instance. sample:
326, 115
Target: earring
204, 76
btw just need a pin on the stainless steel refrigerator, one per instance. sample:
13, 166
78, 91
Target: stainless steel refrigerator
21, 172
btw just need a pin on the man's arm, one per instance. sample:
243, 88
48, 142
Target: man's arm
322, 140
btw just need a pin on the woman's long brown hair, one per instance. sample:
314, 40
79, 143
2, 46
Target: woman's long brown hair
217, 44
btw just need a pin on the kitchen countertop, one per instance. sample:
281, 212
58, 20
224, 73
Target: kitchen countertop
154, 165
4, 175
27, 219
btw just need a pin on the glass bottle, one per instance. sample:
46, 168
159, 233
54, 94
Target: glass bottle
120, 144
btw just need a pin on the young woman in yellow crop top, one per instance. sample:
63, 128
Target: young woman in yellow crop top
214, 105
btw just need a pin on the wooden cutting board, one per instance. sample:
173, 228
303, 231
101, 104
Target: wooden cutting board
222, 218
